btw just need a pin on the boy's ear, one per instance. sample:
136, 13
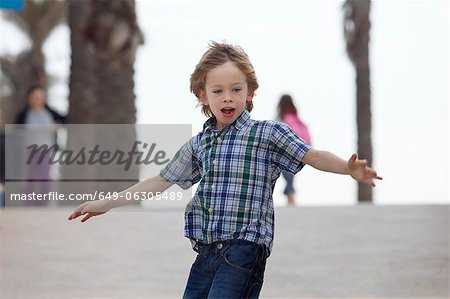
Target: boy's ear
250, 95
203, 98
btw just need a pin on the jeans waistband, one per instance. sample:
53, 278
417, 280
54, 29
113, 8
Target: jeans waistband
202, 248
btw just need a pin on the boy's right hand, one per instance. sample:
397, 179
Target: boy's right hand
92, 208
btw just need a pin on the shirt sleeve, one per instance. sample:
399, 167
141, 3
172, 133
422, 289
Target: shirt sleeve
184, 168
288, 148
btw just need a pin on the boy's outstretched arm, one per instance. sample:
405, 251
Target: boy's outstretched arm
99, 207
326, 161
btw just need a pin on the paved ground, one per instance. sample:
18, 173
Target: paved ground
319, 252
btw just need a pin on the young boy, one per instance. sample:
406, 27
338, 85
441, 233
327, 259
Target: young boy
230, 219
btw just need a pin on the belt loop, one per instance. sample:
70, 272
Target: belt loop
196, 247
208, 249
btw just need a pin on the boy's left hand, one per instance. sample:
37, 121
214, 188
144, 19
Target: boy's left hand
359, 170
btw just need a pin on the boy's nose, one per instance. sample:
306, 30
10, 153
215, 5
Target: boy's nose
227, 98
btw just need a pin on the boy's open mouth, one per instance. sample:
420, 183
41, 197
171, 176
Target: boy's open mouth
227, 111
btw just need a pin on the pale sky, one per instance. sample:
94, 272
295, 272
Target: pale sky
297, 47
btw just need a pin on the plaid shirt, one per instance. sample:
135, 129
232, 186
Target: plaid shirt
237, 169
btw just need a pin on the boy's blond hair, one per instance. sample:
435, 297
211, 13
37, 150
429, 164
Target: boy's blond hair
218, 54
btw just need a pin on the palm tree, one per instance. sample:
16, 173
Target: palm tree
36, 20
356, 32
104, 40
112, 31
82, 100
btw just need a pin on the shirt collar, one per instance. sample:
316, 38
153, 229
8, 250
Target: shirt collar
240, 123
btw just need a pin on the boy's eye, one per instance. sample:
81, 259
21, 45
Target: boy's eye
217, 91
237, 89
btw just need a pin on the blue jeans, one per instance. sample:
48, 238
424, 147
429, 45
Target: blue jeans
230, 269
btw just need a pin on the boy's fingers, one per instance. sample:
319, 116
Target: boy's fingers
352, 161
77, 212
89, 215
374, 175
74, 215
370, 182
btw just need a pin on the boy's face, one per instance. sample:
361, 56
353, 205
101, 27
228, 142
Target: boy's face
226, 93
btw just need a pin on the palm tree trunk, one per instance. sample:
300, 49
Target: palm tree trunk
82, 100
357, 36
109, 22
30, 70
104, 41
115, 99
114, 34
364, 116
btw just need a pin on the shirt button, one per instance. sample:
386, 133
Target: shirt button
212, 186
210, 209
219, 246
218, 139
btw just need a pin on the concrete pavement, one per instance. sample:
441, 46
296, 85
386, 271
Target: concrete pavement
360, 251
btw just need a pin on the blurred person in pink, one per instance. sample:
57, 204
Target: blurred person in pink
287, 113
